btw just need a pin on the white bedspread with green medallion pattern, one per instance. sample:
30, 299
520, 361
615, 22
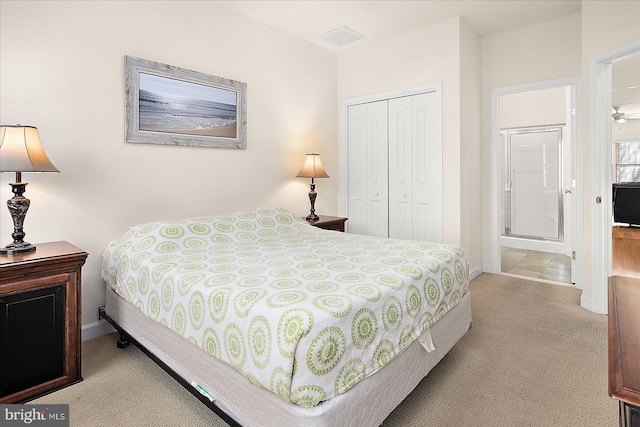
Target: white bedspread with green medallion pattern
304, 312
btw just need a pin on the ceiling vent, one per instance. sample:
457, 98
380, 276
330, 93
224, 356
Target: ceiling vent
341, 36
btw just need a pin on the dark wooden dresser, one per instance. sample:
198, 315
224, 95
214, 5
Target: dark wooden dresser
40, 323
624, 347
329, 222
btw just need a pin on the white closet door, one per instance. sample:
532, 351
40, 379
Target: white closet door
427, 167
368, 169
415, 168
400, 169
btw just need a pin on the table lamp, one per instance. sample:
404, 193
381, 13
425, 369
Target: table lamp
312, 168
21, 151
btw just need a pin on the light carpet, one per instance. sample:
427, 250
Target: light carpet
533, 357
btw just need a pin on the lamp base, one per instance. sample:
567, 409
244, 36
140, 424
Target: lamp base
17, 248
18, 206
312, 199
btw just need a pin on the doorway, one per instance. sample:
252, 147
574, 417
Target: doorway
550, 137
602, 173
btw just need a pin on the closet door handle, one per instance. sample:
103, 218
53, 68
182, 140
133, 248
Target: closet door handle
377, 194
404, 194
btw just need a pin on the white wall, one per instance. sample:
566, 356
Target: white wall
533, 108
546, 51
605, 25
61, 70
627, 130
428, 55
550, 50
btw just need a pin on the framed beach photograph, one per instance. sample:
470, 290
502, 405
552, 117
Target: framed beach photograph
175, 106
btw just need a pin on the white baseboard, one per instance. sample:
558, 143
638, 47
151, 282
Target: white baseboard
488, 268
476, 272
96, 329
588, 304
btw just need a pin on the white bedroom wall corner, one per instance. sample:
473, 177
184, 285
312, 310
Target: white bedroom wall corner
452, 149
491, 233
470, 146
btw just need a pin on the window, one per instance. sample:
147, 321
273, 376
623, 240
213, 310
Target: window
627, 158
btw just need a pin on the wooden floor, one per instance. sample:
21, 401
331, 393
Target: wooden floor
626, 251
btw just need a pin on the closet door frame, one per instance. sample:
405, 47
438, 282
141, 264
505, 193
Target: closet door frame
435, 87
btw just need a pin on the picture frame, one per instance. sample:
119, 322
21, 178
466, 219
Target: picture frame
175, 106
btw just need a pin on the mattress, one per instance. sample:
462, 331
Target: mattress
368, 403
303, 312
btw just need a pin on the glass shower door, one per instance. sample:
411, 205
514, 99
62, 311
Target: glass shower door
533, 190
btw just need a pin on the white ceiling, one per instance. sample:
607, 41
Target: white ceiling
626, 85
383, 19
378, 20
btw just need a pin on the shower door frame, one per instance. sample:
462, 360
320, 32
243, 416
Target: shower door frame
506, 229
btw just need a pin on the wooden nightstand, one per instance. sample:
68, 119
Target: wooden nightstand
624, 352
40, 323
329, 222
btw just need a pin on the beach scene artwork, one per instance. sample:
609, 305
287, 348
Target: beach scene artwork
181, 107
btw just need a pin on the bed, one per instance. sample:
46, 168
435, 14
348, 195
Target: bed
276, 322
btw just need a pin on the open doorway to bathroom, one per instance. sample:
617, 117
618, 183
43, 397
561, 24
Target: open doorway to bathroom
535, 139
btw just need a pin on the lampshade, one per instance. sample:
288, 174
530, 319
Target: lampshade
21, 150
312, 167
